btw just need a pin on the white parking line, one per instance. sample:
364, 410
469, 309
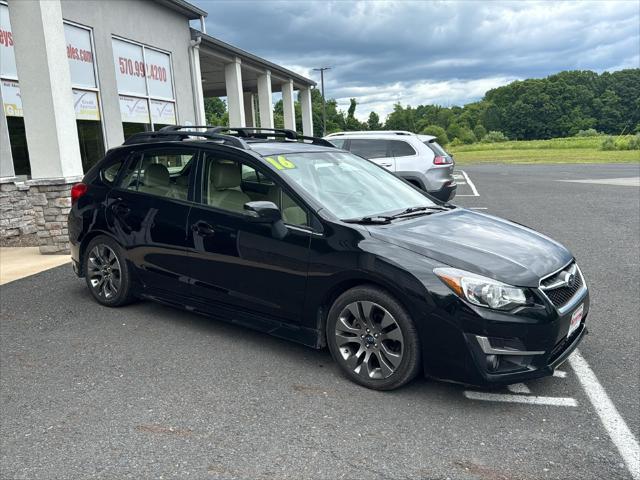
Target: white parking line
477, 208
618, 430
529, 399
559, 374
471, 185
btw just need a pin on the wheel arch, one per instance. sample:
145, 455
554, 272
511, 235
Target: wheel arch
85, 242
341, 287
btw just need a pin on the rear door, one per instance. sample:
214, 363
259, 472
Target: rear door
406, 158
148, 211
374, 149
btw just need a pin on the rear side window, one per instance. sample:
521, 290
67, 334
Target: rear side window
369, 148
162, 172
110, 172
338, 142
401, 149
436, 148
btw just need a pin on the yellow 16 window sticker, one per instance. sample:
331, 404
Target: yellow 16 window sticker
281, 163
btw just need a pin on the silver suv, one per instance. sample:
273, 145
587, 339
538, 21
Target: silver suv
419, 159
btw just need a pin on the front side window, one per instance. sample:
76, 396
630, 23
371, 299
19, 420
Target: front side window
369, 148
401, 148
348, 186
162, 172
229, 184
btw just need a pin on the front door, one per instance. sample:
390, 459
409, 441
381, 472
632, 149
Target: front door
237, 263
148, 211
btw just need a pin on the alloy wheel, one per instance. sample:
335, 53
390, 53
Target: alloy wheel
103, 270
369, 340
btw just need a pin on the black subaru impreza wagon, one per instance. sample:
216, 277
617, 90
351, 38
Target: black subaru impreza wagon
294, 237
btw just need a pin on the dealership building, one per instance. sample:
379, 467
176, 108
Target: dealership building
78, 77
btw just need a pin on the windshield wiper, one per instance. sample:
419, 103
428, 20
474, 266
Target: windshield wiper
370, 219
426, 210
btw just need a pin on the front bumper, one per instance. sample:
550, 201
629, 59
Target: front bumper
484, 348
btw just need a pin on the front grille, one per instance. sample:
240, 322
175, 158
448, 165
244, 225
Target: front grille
557, 290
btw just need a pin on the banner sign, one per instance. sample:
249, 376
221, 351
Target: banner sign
80, 56
11, 98
7, 56
85, 104
163, 113
134, 110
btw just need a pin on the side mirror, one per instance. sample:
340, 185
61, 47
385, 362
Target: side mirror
263, 212
268, 213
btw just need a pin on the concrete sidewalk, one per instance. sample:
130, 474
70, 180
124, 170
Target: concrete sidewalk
20, 262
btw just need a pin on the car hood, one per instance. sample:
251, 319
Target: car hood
478, 243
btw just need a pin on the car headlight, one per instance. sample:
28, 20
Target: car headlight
480, 290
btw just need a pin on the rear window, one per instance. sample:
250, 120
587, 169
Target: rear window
401, 149
436, 148
369, 148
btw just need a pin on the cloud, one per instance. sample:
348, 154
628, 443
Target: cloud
430, 52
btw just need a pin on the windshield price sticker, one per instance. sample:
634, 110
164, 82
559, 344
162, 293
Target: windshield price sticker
281, 163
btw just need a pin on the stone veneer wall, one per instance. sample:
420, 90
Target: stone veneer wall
34, 212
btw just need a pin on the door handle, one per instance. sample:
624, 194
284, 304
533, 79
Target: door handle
386, 165
203, 228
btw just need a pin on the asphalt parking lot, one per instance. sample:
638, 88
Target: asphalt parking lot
151, 392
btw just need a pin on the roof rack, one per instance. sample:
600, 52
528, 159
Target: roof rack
181, 132
265, 133
371, 132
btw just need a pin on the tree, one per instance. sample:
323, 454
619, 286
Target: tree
215, 111
438, 132
373, 123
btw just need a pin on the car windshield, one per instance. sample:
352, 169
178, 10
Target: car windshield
348, 186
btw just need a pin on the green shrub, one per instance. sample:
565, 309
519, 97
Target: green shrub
455, 142
608, 143
437, 132
589, 132
479, 131
634, 142
494, 137
466, 136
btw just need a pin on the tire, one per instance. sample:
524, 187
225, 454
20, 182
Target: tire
107, 273
372, 339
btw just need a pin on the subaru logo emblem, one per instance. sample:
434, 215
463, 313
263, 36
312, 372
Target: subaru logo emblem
569, 279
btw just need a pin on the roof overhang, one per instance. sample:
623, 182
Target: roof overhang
185, 8
216, 51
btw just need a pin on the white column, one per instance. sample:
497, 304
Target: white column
265, 105
235, 99
45, 85
249, 110
6, 159
307, 115
288, 109
196, 77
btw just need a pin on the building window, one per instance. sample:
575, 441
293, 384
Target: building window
86, 95
145, 87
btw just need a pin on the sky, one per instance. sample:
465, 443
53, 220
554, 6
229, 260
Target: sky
429, 52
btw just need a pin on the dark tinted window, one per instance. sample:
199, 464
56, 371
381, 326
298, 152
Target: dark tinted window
369, 148
162, 172
401, 149
436, 148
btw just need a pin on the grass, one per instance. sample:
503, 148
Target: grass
556, 150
